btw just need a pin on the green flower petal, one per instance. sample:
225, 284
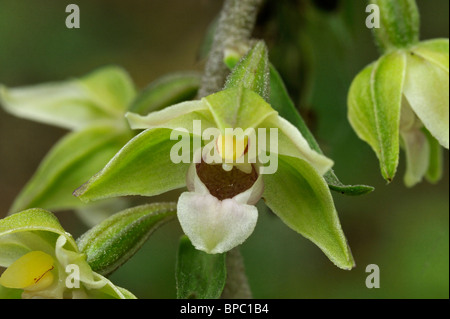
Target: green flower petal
34, 219
98, 97
179, 116
301, 198
427, 91
434, 172
374, 104
238, 108
292, 143
434, 51
142, 167
417, 156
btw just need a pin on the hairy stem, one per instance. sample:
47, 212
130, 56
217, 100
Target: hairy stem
236, 23
236, 286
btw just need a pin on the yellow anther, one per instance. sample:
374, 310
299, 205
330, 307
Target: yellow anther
32, 271
231, 147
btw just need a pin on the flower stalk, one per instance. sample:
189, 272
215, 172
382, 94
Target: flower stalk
236, 23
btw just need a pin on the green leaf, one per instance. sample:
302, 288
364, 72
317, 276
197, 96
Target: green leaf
102, 96
115, 240
165, 91
434, 172
142, 167
199, 275
72, 161
374, 104
281, 102
252, 72
34, 219
300, 197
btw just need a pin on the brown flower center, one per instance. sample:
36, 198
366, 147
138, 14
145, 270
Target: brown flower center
225, 184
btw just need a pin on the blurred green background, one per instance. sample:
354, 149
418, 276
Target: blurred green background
318, 49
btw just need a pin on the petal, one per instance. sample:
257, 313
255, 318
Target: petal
435, 168
142, 167
238, 108
374, 104
35, 219
67, 257
417, 156
292, 143
181, 115
283, 104
215, 226
427, 91
435, 51
100, 96
252, 195
301, 198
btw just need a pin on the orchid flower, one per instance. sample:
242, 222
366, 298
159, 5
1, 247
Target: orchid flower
42, 260
92, 108
218, 211
402, 99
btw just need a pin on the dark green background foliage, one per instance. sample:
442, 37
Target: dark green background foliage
404, 231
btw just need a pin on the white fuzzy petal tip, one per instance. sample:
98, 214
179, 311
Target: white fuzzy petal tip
215, 226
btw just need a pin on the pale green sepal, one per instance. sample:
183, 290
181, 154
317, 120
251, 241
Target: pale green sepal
108, 291
115, 240
111, 88
100, 97
435, 167
165, 91
34, 219
282, 103
142, 167
301, 198
292, 143
16, 244
417, 152
252, 72
11, 251
427, 91
434, 51
238, 108
179, 116
72, 161
374, 106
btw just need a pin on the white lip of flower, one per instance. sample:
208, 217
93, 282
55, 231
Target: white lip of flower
217, 225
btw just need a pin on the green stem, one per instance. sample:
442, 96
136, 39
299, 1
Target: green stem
236, 286
236, 22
